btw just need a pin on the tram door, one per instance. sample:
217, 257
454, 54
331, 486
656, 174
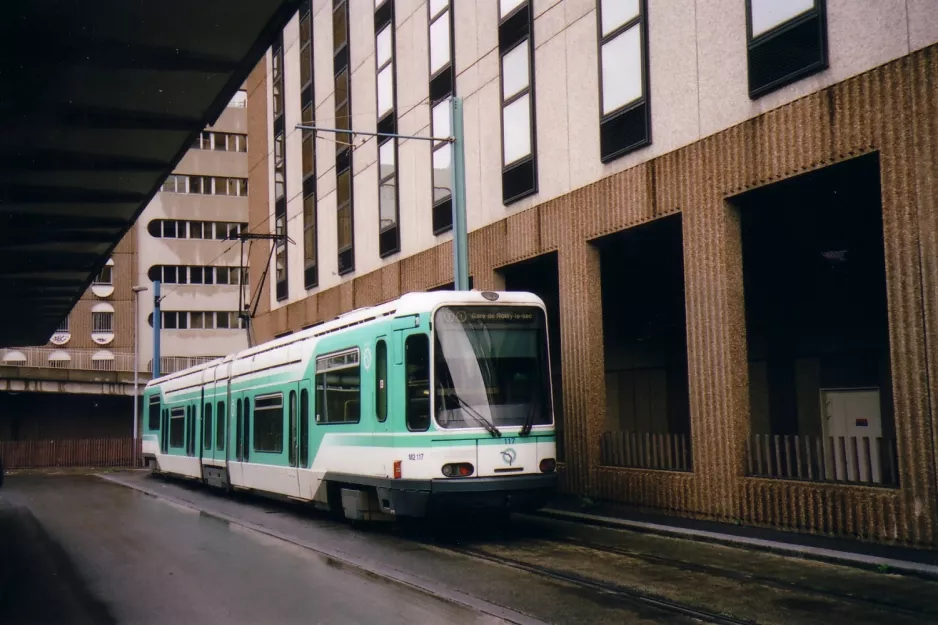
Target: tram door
208, 418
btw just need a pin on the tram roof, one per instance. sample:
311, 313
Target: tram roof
406, 305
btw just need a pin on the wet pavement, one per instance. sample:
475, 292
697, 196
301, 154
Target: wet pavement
185, 552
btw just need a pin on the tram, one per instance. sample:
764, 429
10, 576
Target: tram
430, 402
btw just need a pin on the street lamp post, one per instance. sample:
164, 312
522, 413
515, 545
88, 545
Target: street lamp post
137, 290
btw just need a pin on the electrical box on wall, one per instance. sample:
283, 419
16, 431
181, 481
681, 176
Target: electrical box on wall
853, 428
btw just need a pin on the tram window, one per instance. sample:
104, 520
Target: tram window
177, 427
268, 424
220, 427
239, 441
293, 438
381, 380
207, 427
304, 428
154, 422
338, 388
417, 364
246, 447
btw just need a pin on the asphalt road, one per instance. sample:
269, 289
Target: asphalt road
145, 560
100, 550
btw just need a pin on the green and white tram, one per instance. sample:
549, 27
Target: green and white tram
431, 401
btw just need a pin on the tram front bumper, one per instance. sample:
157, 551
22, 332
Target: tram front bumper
417, 498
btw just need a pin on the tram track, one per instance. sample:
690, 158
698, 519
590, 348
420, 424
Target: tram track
630, 595
740, 576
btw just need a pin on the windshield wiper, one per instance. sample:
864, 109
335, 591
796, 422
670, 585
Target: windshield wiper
488, 425
529, 419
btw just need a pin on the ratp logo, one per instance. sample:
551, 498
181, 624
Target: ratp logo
509, 456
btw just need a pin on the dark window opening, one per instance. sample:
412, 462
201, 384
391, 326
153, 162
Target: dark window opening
645, 344
817, 328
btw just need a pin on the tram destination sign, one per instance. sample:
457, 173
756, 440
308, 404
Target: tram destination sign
500, 315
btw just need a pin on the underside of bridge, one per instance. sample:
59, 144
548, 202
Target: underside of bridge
99, 100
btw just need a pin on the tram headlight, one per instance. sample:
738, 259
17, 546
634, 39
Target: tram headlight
460, 469
548, 465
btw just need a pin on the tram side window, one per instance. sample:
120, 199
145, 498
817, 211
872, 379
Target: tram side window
381, 381
154, 414
220, 427
207, 427
338, 388
304, 428
247, 428
177, 427
268, 424
292, 429
239, 440
417, 364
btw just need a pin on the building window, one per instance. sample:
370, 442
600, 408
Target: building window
59, 360
338, 388
102, 322
280, 171
268, 424
308, 151
625, 110
345, 218
386, 77
239, 100
63, 325
516, 45
787, 41
442, 88
105, 275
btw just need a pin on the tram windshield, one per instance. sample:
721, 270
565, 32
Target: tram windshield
490, 367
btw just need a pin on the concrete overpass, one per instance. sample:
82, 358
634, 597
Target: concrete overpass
99, 102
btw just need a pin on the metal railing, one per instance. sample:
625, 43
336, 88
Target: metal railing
172, 364
848, 459
78, 359
645, 450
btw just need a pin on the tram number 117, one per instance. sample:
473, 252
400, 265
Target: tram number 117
415, 456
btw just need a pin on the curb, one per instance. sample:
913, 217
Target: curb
370, 567
832, 556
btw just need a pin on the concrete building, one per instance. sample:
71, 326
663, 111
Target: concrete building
729, 207
80, 384
188, 239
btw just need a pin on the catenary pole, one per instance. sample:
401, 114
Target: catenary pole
460, 236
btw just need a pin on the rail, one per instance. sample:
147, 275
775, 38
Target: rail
851, 459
